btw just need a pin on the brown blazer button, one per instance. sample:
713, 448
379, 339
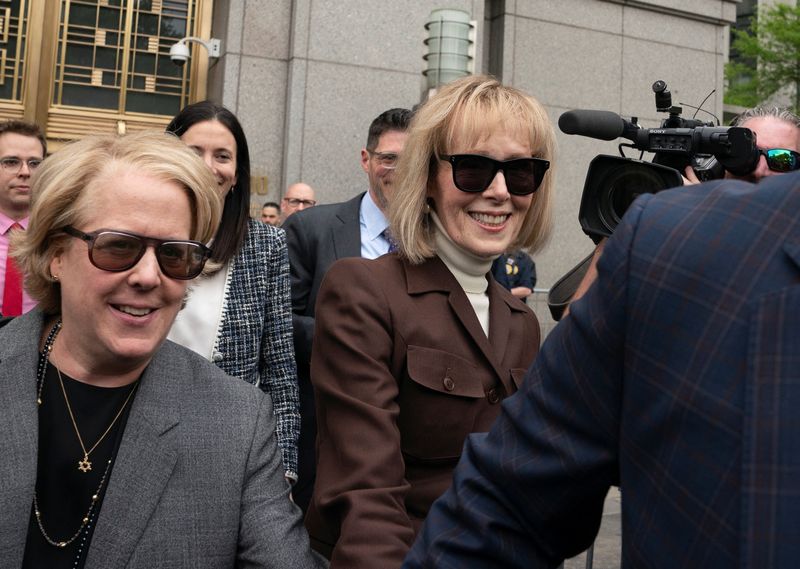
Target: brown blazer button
449, 384
492, 396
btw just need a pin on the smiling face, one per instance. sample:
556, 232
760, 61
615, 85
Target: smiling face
15, 189
115, 321
381, 179
215, 144
486, 223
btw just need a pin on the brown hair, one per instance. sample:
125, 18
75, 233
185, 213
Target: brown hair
25, 129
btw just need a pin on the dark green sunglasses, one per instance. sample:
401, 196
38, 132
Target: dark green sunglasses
781, 159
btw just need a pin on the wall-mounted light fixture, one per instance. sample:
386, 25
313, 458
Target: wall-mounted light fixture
179, 53
451, 46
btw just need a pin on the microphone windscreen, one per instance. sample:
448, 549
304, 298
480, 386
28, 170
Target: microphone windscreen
603, 125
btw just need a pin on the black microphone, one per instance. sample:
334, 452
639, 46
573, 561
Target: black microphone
603, 125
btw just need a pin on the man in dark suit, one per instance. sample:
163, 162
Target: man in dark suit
317, 237
676, 377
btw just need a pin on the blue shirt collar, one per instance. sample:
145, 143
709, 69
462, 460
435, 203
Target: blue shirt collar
373, 222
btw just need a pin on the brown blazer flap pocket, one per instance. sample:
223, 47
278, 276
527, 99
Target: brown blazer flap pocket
447, 373
443, 400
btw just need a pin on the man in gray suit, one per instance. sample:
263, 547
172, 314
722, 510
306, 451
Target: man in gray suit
317, 237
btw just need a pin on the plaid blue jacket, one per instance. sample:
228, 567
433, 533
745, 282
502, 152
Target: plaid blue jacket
677, 377
255, 338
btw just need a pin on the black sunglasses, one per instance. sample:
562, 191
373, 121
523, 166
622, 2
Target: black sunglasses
116, 251
474, 173
781, 159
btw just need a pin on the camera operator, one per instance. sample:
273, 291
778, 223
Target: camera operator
777, 133
775, 129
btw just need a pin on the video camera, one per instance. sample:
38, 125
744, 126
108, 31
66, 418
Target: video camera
612, 182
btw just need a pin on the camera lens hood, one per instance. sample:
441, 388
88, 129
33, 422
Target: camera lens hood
612, 183
745, 157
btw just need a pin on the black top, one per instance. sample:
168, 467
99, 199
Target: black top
64, 492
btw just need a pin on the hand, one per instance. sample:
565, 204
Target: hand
689, 177
521, 292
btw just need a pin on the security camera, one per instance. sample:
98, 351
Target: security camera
179, 53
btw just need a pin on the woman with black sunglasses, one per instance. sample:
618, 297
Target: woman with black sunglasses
239, 314
120, 448
415, 350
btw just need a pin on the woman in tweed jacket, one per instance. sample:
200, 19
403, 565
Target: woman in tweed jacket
239, 314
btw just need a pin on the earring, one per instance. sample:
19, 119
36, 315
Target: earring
54, 277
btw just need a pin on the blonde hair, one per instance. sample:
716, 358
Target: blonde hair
469, 110
58, 196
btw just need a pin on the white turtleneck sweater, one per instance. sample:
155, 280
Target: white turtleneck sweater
469, 270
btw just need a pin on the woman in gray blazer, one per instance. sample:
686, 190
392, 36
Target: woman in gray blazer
119, 449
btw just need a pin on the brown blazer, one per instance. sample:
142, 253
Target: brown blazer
403, 372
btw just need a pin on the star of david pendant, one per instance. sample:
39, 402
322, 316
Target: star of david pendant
84, 465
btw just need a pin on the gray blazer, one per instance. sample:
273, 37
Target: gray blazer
198, 480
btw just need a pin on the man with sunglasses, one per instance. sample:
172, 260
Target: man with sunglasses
778, 138
323, 234
777, 133
22, 149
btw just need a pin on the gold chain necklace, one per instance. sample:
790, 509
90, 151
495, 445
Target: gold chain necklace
44, 356
85, 464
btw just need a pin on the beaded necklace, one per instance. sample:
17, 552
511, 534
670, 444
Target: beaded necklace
44, 358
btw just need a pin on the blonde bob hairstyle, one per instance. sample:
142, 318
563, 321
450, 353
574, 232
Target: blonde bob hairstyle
467, 111
59, 196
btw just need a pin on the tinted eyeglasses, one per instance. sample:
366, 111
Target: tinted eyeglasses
781, 159
474, 173
117, 251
